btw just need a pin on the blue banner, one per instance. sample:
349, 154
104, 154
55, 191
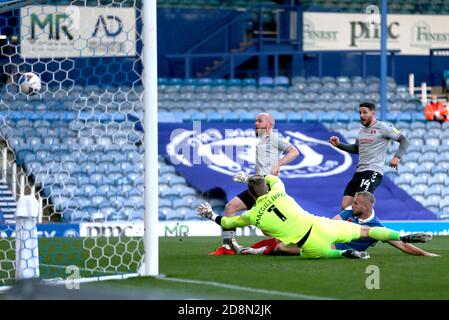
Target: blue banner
49, 230
209, 155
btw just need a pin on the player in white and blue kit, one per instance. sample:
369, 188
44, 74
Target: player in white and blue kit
361, 212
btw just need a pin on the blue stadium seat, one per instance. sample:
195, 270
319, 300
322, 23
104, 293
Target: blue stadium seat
192, 215
418, 189
177, 180
185, 191
405, 178
445, 193
433, 190
426, 157
278, 116
342, 117
266, 81
444, 204
432, 203
281, 81
428, 148
174, 214
235, 82
170, 193
326, 117
230, 116
247, 116
214, 116
309, 117
423, 169
404, 116
405, 169
294, 117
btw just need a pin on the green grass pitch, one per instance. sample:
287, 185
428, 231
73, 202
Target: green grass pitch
271, 277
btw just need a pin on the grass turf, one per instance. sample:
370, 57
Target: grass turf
283, 277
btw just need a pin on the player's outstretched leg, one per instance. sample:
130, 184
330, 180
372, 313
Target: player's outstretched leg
384, 234
380, 233
416, 237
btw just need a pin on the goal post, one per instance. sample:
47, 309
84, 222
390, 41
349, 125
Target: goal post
79, 143
150, 139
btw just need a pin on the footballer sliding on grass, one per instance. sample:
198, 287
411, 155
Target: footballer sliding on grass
279, 216
361, 212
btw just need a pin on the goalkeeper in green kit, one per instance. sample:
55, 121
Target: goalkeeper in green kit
278, 215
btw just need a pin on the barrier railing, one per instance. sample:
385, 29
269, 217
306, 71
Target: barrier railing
188, 59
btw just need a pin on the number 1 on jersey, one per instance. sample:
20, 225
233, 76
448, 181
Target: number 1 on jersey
277, 212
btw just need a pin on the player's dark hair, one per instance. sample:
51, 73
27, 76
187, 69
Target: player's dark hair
257, 186
368, 105
368, 196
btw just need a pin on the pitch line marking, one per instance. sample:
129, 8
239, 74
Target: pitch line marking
248, 289
219, 285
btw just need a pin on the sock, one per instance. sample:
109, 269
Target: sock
228, 234
270, 243
383, 234
334, 254
255, 251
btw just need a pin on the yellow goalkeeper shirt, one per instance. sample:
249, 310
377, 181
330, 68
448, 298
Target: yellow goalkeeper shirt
276, 214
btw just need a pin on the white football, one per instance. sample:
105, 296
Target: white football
30, 83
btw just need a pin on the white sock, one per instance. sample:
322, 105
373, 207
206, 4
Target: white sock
255, 251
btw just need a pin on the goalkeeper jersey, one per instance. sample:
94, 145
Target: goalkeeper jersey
276, 214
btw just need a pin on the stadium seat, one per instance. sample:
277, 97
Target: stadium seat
192, 215
174, 214
433, 190
419, 180
444, 204
432, 203
294, 117
281, 81
309, 117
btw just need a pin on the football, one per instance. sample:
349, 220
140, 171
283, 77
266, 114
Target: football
30, 83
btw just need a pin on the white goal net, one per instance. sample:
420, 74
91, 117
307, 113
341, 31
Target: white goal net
76, 145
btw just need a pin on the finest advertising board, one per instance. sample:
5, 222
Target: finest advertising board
412, 34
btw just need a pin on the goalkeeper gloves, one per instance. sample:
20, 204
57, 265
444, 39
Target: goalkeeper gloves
241, 177
205, 210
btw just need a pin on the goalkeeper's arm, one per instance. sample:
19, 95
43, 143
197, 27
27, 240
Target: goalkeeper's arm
232, 222
275, 183
204, 210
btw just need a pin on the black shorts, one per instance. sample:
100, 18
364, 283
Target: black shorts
363, 181
247, 199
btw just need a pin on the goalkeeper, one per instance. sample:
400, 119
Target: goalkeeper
361, 212
279, 216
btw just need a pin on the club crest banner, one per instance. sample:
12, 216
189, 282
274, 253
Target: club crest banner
209, 154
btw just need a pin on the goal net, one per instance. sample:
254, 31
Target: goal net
77, 146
